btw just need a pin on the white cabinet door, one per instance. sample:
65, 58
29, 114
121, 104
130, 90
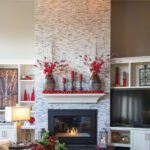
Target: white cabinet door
8, 132
140, 140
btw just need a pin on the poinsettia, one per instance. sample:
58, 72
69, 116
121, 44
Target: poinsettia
96, 64
49, 67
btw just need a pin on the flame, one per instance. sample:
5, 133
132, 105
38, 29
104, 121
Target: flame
72, 131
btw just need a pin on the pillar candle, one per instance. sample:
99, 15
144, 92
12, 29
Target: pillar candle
64, 80
72, 74
80, 77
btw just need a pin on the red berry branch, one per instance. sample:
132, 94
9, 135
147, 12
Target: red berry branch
49, 67
95, 65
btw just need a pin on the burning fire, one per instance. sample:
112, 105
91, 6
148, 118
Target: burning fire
72, 131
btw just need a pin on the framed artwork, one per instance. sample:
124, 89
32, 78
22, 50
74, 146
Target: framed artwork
8, 87
144, 76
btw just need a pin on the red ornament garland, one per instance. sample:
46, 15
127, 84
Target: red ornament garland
73, 92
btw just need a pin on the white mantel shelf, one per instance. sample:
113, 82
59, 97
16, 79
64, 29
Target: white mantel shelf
73, 98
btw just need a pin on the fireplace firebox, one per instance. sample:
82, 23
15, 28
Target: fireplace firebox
74, 127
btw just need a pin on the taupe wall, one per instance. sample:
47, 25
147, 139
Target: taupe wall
130, 29
17, 29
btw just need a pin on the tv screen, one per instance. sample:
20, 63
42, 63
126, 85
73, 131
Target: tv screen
130, 108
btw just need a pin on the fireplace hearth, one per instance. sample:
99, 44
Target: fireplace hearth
75, 127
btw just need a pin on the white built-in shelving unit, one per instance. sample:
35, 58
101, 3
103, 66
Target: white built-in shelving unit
122, 132
24, 68
131, 66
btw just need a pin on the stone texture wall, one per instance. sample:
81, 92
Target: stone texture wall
73, 26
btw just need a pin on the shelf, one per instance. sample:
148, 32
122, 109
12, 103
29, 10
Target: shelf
73, 98
27, 80
2, 111
28, 127
121, 128
120, 145
140, 59
27, 102
132, 87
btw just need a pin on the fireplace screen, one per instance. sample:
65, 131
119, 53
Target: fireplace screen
72, 126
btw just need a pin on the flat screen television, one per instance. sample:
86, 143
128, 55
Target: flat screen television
130, 108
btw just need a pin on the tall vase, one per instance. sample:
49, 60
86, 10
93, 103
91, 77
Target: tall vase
95, 83
49, 83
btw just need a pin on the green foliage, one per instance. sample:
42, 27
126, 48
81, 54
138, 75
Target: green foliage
48, 143
60, 146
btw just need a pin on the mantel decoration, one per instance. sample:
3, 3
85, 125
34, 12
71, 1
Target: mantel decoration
48, 69
95, 67
48, 65
73, 92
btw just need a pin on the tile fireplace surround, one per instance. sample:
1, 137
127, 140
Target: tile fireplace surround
73, 26
102, 107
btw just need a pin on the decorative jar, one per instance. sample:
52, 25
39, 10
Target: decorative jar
95, 83
49, 82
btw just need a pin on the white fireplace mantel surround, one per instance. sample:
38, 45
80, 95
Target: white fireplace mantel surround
73, 98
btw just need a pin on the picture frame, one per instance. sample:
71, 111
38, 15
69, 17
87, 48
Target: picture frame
144, 76
8, 87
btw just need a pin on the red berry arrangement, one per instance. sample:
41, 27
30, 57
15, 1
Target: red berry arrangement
49, 67
47, 142
50, 145
73, 92
95, 65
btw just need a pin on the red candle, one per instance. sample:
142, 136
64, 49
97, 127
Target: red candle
80, 77
72, 74
28, 97
64, 80
117, 77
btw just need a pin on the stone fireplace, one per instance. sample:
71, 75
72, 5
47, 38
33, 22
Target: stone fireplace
75, 127
73, 26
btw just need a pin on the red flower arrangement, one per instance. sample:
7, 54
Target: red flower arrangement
95, 65
49, 67
32, 119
